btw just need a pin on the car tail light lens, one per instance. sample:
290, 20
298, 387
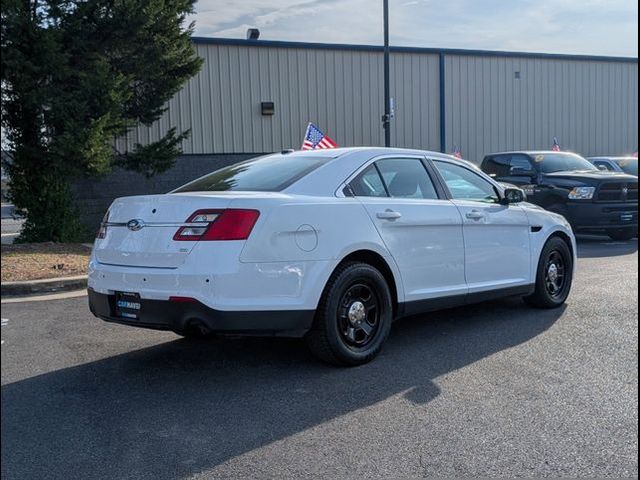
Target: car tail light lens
233, 224
102, 231
195, 232
211, 225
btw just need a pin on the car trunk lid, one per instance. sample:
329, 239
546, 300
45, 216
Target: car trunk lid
140, 230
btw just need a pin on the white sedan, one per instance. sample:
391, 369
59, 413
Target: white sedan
329, 245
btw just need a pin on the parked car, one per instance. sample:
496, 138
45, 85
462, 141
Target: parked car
331, 245
616, 164
565, 183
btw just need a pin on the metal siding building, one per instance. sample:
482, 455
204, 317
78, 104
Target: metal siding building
590, 105
480, 101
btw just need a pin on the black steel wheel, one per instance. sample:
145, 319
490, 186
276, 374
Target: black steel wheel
358, 315
554, 275
354, 316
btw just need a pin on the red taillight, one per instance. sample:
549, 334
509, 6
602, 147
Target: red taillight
231, 224
102, 231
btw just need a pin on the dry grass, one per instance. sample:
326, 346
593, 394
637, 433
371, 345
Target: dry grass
43, 260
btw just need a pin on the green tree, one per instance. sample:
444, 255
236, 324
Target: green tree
76, 74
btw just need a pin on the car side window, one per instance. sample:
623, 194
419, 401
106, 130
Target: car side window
368, 184
497, 166
465, 184
521, 162
407, 178
603, 166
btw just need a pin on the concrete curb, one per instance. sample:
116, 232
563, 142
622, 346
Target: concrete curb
47, 285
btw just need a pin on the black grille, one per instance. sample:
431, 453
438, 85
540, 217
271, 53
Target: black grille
618, 192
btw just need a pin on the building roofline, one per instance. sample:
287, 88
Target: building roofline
377, 48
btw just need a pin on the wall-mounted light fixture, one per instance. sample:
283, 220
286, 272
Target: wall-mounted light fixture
268, 108
517, 75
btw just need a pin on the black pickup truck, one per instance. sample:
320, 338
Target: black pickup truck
565, 183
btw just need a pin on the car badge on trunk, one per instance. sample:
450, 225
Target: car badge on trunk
135, 224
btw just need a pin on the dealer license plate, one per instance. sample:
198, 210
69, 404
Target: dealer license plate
128, 305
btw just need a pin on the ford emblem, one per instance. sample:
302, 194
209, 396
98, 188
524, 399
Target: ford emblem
135, 224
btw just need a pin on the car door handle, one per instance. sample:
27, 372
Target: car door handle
475, 215
388, 215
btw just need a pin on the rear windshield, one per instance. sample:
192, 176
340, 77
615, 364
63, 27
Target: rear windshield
562, 162
629, 165
264, 174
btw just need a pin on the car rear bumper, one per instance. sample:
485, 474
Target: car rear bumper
602, 216
219, 281
180, 315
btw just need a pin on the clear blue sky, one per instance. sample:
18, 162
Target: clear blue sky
605, 27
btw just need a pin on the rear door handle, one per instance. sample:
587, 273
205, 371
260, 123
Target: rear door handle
475, 215
388, 215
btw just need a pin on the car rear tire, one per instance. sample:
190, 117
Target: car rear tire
353, 318
622, 234
554, 275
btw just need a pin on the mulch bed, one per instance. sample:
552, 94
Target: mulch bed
35, 261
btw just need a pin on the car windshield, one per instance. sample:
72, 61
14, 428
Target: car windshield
264, 174
629, 165
562, 162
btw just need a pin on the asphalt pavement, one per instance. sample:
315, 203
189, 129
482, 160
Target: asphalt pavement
496, 389
11, 225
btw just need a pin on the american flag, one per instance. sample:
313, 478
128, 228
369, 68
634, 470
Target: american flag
556, 145
314, 138
456, 152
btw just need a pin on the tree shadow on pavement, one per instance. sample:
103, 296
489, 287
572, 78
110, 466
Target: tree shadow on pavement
183, 407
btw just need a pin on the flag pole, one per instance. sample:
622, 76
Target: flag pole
386, 119
305, 135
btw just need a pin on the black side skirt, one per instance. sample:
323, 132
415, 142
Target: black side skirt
422, 306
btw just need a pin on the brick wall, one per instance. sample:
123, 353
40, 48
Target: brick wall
93, 196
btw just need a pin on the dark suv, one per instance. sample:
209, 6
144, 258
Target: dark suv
565, 183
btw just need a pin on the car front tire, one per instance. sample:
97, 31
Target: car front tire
554, 275
353, 318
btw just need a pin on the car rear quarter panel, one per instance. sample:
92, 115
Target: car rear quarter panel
321, 230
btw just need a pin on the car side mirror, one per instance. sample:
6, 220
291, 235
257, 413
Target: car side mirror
521, 172
513, 195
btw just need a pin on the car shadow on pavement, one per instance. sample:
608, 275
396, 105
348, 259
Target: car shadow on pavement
600, 247
182, 407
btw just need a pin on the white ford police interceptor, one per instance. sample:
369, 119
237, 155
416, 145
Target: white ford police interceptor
331, 245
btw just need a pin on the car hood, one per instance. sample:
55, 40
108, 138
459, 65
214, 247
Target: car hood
595, 175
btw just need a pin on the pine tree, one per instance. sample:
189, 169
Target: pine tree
75, 76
